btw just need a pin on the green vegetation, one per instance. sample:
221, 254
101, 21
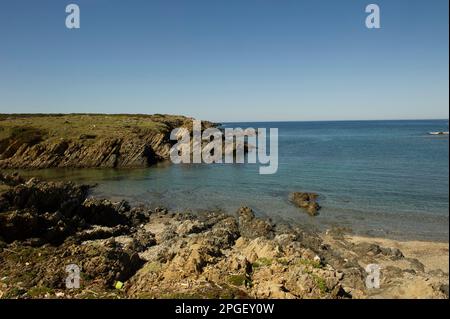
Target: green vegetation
152, 267
39, 291
36, 127
13, 293
240, 280
283, 261
308, 262
320, 283
262, 262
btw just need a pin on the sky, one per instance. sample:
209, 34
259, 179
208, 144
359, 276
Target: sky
227, 60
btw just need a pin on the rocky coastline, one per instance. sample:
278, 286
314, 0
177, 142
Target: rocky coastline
87, 140
142, 252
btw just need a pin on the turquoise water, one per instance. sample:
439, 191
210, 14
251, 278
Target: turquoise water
382, 178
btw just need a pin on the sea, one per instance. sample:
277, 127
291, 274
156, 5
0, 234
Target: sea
375, 178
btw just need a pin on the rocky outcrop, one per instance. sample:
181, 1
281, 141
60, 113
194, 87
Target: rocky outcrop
307, 201
154, 253
49, 212
121, 146
131, 151
252, 227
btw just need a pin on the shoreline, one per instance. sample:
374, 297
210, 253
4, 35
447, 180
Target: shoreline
320, 225
108, 147
156, 253
434, 255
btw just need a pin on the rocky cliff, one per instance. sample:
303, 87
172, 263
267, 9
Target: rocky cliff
85, 140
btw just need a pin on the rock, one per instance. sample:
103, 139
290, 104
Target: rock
49, 212
123, 146
142, 240
102, 212
160, 254
44, 196
190, 227
108, 264
11, 179
368, 249
307, 201
444, 289
102, 232
416, 264
252, 227
393, 253
88, 136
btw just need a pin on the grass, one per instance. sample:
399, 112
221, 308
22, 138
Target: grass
39, 291
320, 283
262, 262
153, 267
35, 127
240, 280
13, 293
308, 262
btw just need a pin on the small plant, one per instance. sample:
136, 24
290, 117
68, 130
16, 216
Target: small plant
261, 262
240, 280
320, 283
308, 262
283, 261
39, 291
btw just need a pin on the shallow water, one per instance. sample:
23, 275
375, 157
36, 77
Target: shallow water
381, 178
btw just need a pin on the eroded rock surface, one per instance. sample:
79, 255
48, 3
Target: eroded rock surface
80, 141
45, 226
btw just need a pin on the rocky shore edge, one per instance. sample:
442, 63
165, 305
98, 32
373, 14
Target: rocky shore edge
36, 141
140, 252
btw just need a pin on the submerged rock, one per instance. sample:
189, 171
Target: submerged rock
307, 201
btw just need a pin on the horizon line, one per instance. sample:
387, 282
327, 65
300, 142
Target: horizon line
227, 121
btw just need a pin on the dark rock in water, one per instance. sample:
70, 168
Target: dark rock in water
307, 201
251, 227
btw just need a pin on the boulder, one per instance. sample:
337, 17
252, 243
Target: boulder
251, 227
307, 201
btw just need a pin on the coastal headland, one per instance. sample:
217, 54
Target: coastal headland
87, 140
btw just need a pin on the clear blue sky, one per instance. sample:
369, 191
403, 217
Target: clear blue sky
227, 60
